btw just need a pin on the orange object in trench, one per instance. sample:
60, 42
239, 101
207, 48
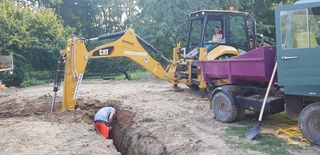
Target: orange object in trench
103, 129
2, 85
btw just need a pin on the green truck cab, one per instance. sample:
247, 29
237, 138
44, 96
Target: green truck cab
298, 57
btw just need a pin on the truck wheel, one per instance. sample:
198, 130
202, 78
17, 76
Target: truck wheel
240, 114
309, 123
224, 108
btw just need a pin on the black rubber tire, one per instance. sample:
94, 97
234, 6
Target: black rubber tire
240, 114
224, 108
309, 123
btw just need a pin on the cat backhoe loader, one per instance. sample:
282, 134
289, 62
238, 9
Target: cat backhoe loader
181, 69
236, 84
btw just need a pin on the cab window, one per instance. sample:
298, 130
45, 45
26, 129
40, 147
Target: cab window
195, 35
300, 28
237, 31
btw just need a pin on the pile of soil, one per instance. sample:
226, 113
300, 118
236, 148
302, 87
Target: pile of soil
150, 119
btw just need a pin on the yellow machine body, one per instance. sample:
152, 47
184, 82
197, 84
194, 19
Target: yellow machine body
76, 58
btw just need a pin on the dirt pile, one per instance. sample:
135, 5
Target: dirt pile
51, 134
150, 119
27, 127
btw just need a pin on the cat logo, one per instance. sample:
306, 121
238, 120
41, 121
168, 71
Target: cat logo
104, 51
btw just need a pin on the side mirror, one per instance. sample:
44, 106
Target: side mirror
259, 35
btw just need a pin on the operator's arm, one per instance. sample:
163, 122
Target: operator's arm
110, 118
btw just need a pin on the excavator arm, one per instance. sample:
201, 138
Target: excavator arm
75, 58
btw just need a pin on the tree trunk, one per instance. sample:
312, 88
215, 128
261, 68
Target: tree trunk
127, 76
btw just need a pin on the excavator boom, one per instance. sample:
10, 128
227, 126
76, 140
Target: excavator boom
76, 57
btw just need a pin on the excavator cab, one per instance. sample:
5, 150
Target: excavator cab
233, 28
236, 39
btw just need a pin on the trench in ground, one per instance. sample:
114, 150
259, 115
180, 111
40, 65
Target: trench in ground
125, 139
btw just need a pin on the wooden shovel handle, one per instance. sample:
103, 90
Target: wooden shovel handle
267, 93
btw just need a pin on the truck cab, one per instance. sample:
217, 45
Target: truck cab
298, 38
298, 52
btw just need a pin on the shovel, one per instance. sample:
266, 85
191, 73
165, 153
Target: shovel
256, 129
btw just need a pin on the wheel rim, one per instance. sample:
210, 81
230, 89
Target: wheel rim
314, 125
222, 107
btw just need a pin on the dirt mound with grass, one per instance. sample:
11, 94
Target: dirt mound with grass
150, 119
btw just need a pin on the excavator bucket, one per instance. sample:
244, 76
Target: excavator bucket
6, 64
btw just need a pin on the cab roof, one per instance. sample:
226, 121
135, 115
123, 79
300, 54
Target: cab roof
219, 12
306, 1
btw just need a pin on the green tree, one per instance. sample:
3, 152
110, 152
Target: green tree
81, 15
263, 10
96, 17
162, 23
32, 35
114, 16
38, 3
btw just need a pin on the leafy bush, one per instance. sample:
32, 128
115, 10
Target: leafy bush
32, 82
33, 35
136, 75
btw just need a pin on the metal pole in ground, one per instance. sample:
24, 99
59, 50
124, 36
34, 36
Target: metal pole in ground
53, 101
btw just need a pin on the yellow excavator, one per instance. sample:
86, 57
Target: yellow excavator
236, 39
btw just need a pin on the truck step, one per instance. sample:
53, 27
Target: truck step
254, 103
